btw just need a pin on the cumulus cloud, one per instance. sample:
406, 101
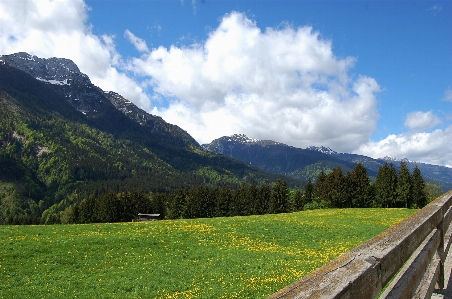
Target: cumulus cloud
418, 144
428, 147
139, 44
48, 28
419, 120
283, 84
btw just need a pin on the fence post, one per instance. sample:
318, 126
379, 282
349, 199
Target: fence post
442, 257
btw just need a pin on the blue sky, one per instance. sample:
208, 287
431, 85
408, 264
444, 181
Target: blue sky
369, 77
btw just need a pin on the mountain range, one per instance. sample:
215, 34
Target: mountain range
63, 139
305, 164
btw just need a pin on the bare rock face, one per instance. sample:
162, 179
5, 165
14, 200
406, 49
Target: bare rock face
56, 69
155, 124
65, 78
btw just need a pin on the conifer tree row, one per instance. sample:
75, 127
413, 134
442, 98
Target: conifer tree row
391, 189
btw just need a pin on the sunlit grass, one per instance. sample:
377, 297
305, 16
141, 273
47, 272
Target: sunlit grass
237, 257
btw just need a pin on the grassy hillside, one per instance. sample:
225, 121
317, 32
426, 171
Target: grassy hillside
237, 257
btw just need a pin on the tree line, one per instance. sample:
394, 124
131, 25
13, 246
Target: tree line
390, 189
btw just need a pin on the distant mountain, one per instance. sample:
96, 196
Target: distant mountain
62, 139
277, 157
431, 173
322, 149
307, 163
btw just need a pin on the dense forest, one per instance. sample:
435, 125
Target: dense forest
391, 189
52, 156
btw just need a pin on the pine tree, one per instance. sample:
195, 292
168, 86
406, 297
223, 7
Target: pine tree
332, 188
279, 201
404, 187
176, 204
252, 199
348, 191
264, 195
419, 189
158, 201
238, 207
223, 202
298, 201
308, 191
359, 183
385, 186
318, 187
190, 210
203, 202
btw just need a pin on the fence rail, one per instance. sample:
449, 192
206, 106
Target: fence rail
405, 261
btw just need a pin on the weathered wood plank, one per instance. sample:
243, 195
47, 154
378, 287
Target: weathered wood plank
448, 231
427, 285
405, 283
363, 271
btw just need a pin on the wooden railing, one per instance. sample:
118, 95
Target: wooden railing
405, 261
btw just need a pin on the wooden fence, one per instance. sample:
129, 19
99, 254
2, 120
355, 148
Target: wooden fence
405, 261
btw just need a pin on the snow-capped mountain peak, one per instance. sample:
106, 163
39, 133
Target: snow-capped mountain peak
50, 70
243, 139
226, 144
322, 149
65, 78
391, 159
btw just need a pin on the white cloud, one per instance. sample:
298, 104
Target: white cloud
428, 147
435, 7
139, 44
283, 84
448, 95
48, 28
419, 120
418, 144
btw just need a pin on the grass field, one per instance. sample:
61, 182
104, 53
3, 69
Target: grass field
237, 257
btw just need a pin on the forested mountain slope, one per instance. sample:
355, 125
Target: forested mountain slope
54, 152
305, 164
105, 110
279, 158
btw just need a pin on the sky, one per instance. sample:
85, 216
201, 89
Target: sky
365, 77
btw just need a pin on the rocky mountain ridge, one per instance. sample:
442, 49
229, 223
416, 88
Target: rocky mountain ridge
63, 76
155, 124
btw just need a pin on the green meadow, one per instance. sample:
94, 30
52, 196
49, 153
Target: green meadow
236, 257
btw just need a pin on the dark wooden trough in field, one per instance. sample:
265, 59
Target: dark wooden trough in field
148, 217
